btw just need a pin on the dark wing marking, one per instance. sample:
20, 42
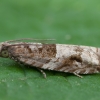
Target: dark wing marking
25, 50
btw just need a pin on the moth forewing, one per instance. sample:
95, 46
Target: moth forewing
66, 58
59, 57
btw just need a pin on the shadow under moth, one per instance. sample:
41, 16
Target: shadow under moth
58, 57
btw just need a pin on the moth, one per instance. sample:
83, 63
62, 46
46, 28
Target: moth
74, 59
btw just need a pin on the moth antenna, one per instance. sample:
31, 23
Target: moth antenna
19, 40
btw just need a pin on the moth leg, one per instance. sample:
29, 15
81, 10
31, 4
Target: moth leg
44, 74
77, 75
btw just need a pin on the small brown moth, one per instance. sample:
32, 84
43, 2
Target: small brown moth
58, 57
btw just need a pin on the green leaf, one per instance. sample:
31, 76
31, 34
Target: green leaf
67, 21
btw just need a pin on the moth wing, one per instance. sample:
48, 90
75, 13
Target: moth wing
44, 63
34, 61
57, 65
62, 67
47, 63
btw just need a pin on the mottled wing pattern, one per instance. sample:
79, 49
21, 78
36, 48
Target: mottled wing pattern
58, 65
65, 58
35, 54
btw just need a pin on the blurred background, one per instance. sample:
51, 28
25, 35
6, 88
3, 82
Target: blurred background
67, 21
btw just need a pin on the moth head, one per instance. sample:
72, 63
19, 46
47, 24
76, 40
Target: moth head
3, 51
5, 54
